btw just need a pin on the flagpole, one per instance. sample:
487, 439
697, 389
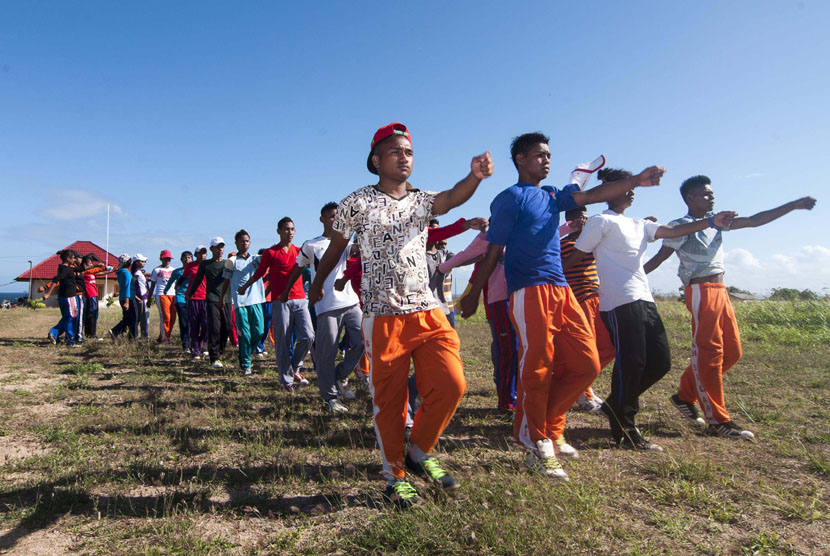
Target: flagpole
107, 252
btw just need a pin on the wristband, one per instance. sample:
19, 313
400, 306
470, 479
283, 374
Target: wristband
711, 221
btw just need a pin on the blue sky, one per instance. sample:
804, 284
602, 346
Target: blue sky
196, 119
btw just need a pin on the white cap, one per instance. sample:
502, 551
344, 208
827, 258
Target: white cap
124, 258
217, 241
200, 248
140, 257
583, 172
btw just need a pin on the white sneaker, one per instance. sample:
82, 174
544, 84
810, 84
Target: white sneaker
262, 354
299, 379
217, 364
346, 392
246, 371
591, 405
543, 461
564, 450
335, 406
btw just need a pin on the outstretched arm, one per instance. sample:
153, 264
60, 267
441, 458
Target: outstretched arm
481, 167
327, 263
658, 259
721, 220
806, 203
613, 189
469, 303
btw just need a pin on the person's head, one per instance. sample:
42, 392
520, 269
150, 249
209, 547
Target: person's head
124, 260
285, 229
201, 253
441, 244
391, 154
531, 155
433, 222
165, 257
186, 257
139, 261
242, 239
577, 217
89, 260
217, 247
625, 200
67, 256
698, 195
327, 214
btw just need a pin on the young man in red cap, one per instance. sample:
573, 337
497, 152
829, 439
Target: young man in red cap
402, 320
165, 301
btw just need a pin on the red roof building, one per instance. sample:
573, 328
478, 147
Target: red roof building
44, 271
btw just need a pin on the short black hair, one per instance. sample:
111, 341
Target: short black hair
574, 211
89, 257
613, 174
523, 143
433, 222
693, 183
185, 253
242, 232
283, 221
65, 254
331, 205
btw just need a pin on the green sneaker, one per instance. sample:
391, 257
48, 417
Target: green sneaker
401, 494
430, 470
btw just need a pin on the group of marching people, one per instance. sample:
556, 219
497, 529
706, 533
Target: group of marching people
562, 303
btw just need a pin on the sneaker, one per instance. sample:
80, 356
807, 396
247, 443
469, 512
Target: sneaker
543, 461
55, 340
345, 392
196, 358
591, 405
633, 440
687, 410
246, 371
335, 406
298, 379
430, 470
730, 430
402, 494
564, 450
205, 353
364, 381
262, 354
289, 388
217, 364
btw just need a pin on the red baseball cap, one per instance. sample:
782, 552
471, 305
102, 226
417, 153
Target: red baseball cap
166, 254
395, 128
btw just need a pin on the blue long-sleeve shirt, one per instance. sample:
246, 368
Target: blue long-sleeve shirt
125, 284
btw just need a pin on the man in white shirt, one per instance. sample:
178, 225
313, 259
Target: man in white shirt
627, 307
337, 308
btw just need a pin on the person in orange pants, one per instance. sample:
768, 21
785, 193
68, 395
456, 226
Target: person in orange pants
558, 358
401, 318
166, 303
716, 344
584, 282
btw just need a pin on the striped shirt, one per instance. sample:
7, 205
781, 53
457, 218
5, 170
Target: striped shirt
582, 277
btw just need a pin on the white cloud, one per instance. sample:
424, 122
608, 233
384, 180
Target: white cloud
753, 175
78, 204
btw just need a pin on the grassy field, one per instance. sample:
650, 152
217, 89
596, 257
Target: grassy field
134, 449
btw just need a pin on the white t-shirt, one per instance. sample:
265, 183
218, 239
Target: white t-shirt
159, 277
311, 253
392, 236
618, 243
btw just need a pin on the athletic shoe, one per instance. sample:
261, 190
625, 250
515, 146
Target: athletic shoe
204, 353
288, 388
298, 379
335, 406
55, 340
345, 392
564, 450
730, 430
591, 405
246, 371
217, 364
402, 494
687, 410
262, 354
364, 381
430, 470
633, 440
196, 358
543, 461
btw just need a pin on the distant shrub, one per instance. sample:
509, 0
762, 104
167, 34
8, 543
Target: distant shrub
34, 304
791, 294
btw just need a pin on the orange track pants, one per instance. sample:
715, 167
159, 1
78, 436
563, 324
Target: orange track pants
605, 348
716, 347
548, 323
167, 315
426, 338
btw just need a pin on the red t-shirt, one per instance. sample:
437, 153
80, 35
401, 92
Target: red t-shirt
279, 263
188, 274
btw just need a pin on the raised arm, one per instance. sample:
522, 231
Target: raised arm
481, 167
658, 259
767, 216
720, 220
613, 189
469, 303
336, 246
